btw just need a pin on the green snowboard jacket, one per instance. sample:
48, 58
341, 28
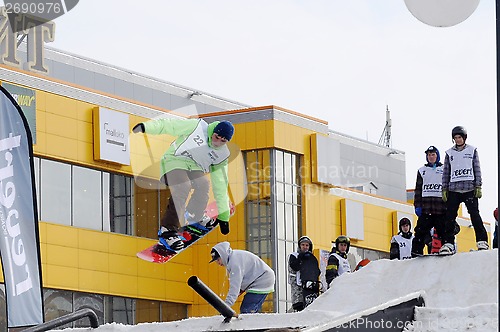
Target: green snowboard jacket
182, 128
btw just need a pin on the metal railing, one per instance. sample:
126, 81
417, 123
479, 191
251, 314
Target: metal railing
94, 322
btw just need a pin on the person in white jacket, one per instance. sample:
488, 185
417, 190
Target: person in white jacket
248, 274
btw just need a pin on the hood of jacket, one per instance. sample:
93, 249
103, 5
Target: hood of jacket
305, 239
225, 251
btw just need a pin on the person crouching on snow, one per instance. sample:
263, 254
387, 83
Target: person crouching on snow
248, 274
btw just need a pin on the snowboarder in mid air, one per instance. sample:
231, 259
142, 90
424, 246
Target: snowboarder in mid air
199, 148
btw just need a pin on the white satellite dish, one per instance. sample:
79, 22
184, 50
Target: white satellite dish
441, 13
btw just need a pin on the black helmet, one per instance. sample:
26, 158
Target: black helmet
432, 148
459, 130
343, 239
404, 221
308, 240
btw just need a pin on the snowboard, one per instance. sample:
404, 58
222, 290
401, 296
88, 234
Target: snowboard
189, 234
309, 296
362, 264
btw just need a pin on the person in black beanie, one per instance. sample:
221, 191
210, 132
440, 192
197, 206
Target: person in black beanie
429, 206
304, 274
462, 181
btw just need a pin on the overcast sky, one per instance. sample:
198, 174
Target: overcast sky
340, 61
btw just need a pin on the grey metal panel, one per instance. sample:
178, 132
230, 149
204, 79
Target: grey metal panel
124, 89
136, 78
63, 72
273, 114
185, 106
197, 108
79, 94
142, 94
162, 99
84, 77
177, 102
243, 117
301, 121
346, 152
360, 166
212, 109
77, 69
104, 83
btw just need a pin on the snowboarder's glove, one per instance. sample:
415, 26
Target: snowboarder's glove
304, 254
418, 211
478, 193
444, 193
224, 226
139, 128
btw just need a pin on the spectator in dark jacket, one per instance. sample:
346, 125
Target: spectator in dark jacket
462, 183
401, 243
429, 206
337, 261
304, 275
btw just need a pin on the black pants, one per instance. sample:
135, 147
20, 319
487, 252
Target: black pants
422, 231
472, 204
181, 183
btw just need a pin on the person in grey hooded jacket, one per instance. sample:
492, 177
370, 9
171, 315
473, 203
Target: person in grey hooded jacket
247, 273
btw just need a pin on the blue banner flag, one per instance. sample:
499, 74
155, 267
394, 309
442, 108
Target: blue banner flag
19, 237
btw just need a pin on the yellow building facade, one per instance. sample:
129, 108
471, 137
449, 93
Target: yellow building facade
273, 182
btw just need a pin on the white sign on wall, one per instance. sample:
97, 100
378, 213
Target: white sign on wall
353, 221
325, 160
111, 136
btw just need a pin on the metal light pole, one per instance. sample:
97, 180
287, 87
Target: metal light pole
497, 16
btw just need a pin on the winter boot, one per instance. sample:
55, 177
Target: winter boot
208, 222
189, 218
447, 249
170, 239
482, 245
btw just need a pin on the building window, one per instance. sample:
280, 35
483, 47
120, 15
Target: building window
86, 198
288, 204
57, 303
273, 213
55, 192
121, 198
83, 197
95, 302
258, 203
109, 309
119, 310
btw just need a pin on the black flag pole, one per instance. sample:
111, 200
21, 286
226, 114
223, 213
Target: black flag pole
205, 292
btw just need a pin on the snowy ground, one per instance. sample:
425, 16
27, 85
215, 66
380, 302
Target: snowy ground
460, 292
